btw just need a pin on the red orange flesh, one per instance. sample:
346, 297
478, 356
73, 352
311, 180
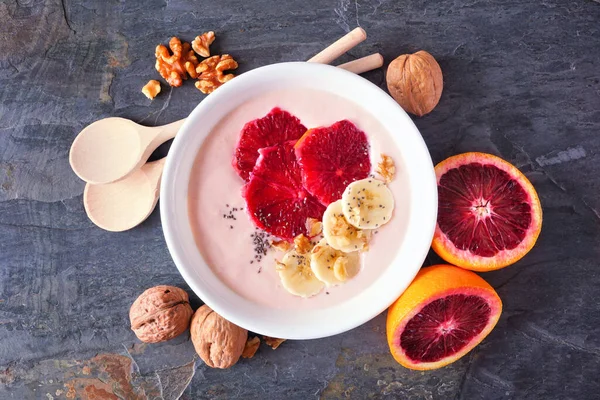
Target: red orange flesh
489, 214
444, 313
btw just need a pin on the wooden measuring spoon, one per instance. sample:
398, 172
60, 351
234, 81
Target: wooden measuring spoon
122, 205
111, 148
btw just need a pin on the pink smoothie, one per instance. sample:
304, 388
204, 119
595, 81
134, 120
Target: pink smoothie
227, 238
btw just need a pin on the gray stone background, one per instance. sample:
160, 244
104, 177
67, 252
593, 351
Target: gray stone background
522, 80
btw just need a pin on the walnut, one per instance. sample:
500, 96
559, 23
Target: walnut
190, 69
151, 89
386, 168
160, 313
172, 67
279, 266
273, 342
303, 244
313, 226
217, 341
211, 72
364, 236
201, 43
188, 54
251, 347
281, 245
415, 81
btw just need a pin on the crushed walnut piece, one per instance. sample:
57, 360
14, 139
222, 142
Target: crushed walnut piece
281, 245
211, 72
251, 347
273, 342
313, 226
364, 235
303, 244
386, 168
151, 89
202, 43
172, 67
279, 266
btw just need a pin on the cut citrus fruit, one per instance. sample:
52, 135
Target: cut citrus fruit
278, 126
275, 198
331, 158
489, 214
444, 313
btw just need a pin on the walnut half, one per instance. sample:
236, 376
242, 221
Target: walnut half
211, 72
217, 341
172, 67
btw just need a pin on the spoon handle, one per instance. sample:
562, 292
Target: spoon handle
341, 46
167, 132
154, 170
364, 64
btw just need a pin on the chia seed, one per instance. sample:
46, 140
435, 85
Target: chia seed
260, 244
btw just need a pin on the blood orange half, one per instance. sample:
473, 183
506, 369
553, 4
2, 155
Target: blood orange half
278, 126
489, 214
444, 313
331, 158
275, 198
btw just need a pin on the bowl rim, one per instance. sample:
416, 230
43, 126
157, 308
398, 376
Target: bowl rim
269, 326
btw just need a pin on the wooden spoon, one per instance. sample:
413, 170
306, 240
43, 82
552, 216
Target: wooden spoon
111, 148
122, 205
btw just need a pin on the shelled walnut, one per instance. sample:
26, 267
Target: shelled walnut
274, 343
386, 168
174, 67
151, 89
211, 72
201, 44
251, 347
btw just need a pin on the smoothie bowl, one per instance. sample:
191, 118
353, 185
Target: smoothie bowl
263, 161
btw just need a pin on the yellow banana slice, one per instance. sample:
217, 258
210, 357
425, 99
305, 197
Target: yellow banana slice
368, 203
339, 233
332, 266
297, 276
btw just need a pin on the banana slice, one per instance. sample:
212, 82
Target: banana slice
332, 266
296, 275
339, 233
368, 203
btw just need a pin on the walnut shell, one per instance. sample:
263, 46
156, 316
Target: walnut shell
160, 313
415, 81
217, 341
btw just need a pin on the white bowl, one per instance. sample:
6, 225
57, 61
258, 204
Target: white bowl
283, 323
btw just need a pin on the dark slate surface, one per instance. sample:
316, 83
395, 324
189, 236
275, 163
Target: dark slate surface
522, 80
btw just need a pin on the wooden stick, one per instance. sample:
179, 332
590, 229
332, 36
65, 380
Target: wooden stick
363, 64
341, 46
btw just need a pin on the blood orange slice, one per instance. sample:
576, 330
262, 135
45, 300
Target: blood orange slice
444, 313
275, 198
331, 158
278, 126
489, 214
